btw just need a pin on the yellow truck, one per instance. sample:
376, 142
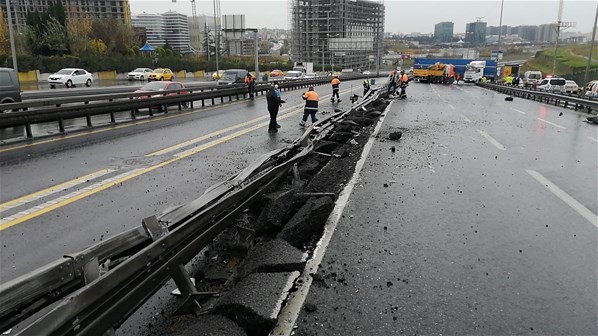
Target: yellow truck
436, 73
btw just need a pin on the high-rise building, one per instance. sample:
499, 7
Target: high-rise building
443, 32
100, 9
528, 33
546, 33
339, 32
475, 33
205, 25
176, 32
154, 28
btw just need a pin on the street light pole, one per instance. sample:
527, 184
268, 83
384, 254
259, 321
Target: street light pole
587, 74
11, 37
257, 64
217, 39
502, 3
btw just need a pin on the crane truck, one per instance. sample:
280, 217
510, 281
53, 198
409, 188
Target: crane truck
489, 66
436, 73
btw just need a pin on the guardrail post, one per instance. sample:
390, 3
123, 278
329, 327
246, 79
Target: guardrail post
28, 130
88, 119
112, 117
213, 102
61, 125
133, 115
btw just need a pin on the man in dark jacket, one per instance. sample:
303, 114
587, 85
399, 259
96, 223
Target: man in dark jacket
274, 103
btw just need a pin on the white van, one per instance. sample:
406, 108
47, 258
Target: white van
532, 78
552, 85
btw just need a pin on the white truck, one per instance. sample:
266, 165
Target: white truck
474, 71
305, 67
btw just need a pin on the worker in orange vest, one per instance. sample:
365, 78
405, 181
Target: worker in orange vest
250, 81
335, 88
311, 106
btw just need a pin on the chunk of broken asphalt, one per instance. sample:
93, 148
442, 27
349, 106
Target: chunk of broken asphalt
209, 325
275, 212
308, 221
272, 257
310, 307
254, 302
509, 98
395, 135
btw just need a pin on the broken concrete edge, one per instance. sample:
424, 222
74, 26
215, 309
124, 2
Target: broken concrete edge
254, 304
289, 314
275, 256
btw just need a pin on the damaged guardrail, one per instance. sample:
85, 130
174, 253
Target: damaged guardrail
576, 103
103, 285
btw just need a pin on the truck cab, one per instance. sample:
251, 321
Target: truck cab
474, 71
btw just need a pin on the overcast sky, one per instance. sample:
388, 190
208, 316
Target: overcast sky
401, 16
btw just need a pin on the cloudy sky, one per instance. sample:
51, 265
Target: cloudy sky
401, 16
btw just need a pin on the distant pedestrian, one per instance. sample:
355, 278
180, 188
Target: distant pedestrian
279, 95
335, 89
366, 86
274, 103
311, 106
509, 80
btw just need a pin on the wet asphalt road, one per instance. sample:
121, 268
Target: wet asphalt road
465, 239
130, 180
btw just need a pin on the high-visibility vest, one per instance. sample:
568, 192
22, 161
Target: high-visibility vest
311, 100
335, 82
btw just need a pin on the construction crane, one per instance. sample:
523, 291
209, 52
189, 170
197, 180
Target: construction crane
195, 47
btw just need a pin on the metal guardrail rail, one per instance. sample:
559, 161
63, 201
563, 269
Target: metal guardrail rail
64, 108
102, 286
567, 101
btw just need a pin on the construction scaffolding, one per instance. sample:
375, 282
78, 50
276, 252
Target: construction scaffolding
339, 33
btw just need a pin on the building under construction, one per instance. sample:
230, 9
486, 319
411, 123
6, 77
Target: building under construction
340, 33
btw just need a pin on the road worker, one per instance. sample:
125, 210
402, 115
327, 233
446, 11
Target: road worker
311, 106
250, 81
366, 86
335, 89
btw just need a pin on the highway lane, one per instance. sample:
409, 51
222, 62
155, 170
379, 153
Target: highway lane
138, 170
487, 225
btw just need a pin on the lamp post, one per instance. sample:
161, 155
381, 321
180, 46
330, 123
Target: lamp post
11, 37
502, 3
586, 76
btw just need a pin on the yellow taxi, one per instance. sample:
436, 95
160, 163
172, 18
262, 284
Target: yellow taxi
161, 74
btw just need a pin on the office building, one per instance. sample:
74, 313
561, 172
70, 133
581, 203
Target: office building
443, 32
324, 34
176, 31
154, 28
74, 9
475, 33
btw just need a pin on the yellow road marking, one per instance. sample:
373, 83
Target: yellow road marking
54, 189
130, 176
227, 129
211, 135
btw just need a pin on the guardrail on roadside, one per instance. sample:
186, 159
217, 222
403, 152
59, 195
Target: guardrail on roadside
568, 101
61, 109
103, 285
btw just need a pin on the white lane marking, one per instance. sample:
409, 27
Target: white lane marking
65, 197
578, 207
492, 140
289, 314
593, 139
516, 110
451, 106
465, 118
551, 123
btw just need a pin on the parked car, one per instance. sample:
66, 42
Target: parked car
552, 85
293, 75
70, 77
160, 74
217, 75
233, 76
311, 75
571, 86
10, 91
276, 74
154, 90
367, 72
139, 74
